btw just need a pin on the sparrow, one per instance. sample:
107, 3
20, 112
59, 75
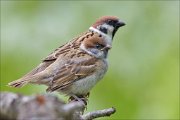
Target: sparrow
75, 67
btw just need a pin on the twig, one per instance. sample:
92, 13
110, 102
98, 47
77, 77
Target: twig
98, 113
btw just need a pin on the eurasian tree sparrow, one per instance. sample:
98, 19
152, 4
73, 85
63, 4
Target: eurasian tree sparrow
74, 68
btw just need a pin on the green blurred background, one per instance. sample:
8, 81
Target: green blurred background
143, 77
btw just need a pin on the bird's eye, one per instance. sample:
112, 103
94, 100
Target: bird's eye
99, 46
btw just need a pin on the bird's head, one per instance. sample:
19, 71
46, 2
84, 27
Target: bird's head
99, 44
107, 25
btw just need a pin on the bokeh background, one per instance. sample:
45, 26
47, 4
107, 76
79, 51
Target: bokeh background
143, 77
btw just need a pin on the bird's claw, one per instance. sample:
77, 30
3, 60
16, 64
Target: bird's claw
81, 99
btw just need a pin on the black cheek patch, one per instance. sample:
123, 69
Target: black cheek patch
104, 30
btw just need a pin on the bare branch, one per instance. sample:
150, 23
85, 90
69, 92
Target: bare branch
39, 107
44, 107
99, 113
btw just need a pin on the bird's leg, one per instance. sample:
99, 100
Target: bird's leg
81, 98
87, 95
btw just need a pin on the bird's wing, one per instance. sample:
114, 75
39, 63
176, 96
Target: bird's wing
51, 58
67, 47
72, 71
42, 66
64, 49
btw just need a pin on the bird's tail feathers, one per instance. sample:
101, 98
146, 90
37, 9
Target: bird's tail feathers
39, 78
23, 81
19, 83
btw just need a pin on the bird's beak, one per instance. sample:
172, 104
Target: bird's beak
120, 23
107, 47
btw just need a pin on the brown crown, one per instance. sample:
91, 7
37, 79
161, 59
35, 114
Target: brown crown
103, 20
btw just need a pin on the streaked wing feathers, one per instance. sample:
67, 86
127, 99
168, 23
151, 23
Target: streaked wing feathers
59, 51
71, 73
74, 43
38, 69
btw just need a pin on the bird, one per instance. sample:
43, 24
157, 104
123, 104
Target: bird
74, 68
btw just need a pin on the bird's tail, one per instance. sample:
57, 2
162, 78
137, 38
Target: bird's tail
19, 83
40, 78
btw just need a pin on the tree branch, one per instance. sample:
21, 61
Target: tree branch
44, 107
99, 113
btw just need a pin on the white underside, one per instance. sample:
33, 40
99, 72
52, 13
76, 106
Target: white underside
83, 86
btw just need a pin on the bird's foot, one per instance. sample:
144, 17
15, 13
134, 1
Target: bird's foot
81, 98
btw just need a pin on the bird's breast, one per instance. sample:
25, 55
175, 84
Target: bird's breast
84, 85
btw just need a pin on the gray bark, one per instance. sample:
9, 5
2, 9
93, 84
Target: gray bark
44, 107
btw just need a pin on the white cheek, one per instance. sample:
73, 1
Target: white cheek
111, 29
